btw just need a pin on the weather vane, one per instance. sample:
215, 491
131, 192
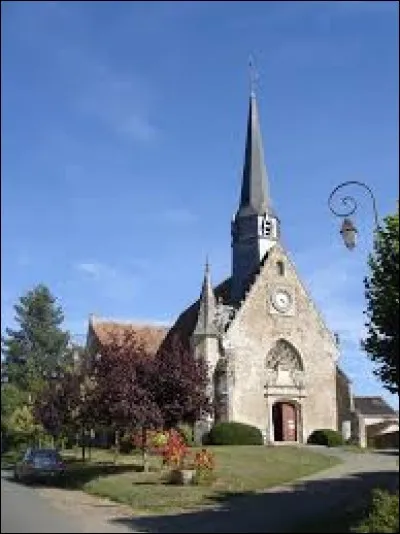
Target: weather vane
253, 74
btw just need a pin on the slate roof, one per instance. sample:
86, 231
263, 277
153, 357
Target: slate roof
207, 306
343, 375
186, 322
373, 406
106, 330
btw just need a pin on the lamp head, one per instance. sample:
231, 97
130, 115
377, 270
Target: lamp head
349, 233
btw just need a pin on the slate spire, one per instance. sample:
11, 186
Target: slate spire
207, 306
254, 197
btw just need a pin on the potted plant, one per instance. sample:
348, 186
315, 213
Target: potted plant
175, 456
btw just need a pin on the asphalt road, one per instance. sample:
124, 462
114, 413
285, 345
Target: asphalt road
23, 509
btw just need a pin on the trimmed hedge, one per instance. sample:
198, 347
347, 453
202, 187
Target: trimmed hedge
327, 437
231, 433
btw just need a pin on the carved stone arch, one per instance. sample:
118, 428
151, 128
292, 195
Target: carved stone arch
284, 359
284, 353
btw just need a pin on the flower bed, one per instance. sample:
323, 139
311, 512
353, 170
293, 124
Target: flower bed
184, 466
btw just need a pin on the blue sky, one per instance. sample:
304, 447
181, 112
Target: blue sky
123, 129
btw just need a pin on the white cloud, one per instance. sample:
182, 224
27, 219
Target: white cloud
119, 101
334, 279
178, 216
115, 284
97, 271
23, 259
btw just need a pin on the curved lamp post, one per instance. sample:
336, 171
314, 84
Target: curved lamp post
348, 230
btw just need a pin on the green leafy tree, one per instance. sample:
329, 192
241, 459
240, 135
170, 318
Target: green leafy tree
22, 424
38, 345
23, 421
382, 294
11, 399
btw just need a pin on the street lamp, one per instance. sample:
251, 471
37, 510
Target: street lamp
348, 231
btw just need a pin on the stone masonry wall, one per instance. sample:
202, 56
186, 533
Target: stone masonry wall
255, 330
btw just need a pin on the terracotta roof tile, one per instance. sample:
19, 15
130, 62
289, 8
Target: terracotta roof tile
155, 337
150, 335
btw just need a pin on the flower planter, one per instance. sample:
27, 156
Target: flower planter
182, 477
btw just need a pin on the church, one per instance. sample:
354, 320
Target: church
272, 360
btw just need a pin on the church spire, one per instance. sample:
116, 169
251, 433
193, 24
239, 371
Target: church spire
254, 194
205, 318
255, 227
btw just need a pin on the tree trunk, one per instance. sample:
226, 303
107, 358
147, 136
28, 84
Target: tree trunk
83, 444
144, 451
116, 447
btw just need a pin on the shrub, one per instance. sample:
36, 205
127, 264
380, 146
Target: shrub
232, 433
204, 464
205, 440
125, 444
383, 513
186, 431
326, 436
168, 444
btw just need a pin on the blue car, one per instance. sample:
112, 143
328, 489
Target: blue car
39, 464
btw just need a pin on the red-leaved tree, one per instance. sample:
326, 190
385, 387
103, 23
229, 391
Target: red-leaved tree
124, 392
66, 405
179, 383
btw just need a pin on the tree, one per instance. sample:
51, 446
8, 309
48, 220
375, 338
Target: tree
179, 383
23, 424
382, 294
66, 405
11, 399
39, 344
123, 391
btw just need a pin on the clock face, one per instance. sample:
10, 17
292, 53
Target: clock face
281, 300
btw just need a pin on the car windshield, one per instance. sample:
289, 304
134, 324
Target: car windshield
47, 455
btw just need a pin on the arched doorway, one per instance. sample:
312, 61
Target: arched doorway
284, 418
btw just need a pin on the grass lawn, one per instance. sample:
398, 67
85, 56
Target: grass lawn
239, 469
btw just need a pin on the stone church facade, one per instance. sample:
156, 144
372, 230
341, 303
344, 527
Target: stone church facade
272, 359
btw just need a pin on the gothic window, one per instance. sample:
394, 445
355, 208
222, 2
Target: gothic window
280, 267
